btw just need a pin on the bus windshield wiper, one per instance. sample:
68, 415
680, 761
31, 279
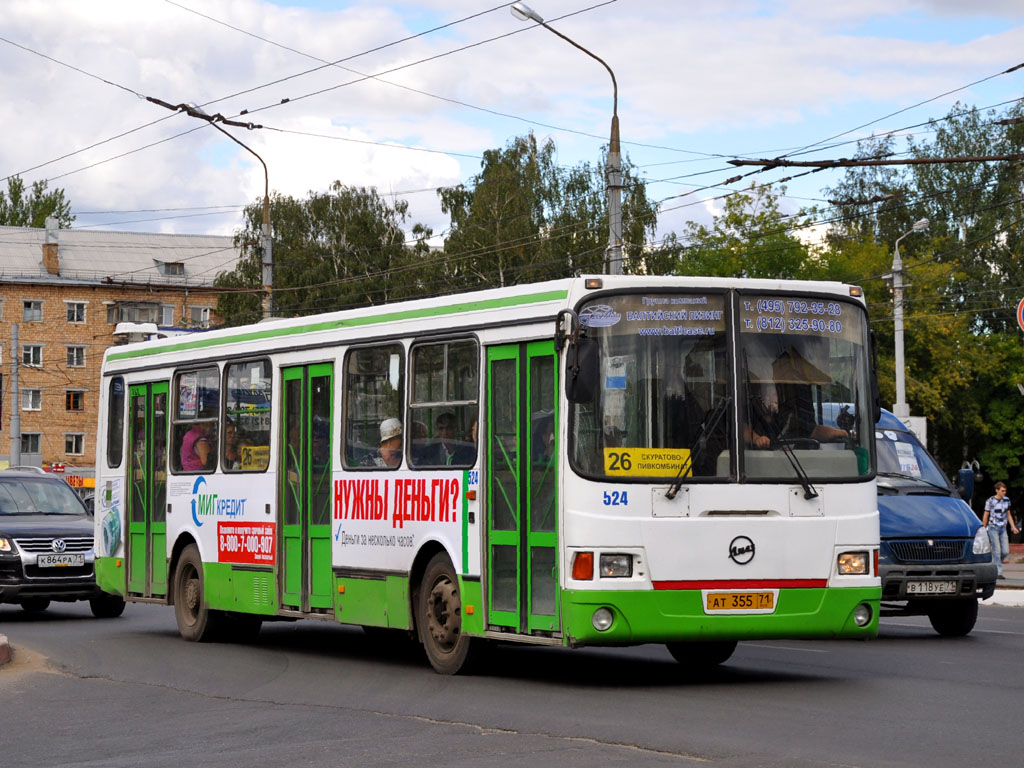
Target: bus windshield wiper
707, 426
777, 440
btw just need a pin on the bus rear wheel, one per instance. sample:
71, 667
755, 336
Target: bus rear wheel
439, 619
195, 621
702, 654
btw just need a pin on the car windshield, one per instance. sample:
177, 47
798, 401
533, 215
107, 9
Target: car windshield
899, 453
28, 496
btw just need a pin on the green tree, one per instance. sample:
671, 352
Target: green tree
19, 208
524, 218
342, 248
751, 237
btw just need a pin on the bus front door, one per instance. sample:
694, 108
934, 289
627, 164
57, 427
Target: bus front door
306, 492
147, 498
522, 487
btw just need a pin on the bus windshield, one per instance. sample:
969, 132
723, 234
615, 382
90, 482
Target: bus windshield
675, 374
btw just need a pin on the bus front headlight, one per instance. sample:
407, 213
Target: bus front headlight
853, 564
616, 566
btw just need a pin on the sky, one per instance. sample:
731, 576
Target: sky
406, 96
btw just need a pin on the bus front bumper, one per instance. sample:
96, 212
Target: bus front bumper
661, 616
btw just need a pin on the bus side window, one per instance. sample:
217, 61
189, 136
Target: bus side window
195, 428
248, 394
115, 422
373, 430
443, 404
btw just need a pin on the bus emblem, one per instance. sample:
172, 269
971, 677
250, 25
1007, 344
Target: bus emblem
599, 316
741, 550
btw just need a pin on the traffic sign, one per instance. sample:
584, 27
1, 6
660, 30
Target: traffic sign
1020, 314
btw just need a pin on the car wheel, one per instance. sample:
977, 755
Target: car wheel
954, 618
35, 604
107, 606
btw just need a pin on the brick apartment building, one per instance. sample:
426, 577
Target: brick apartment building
66, 291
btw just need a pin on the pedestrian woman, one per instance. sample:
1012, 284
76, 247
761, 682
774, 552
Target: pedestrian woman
997, 517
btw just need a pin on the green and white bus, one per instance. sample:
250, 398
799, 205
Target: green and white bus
608, 460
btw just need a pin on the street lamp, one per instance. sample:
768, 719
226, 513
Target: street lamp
523, 12
900, 407
193, 110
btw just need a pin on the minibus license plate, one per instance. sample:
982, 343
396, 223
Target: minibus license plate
60, 561
739, 601
931, 587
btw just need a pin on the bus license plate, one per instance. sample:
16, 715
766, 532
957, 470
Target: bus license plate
740, 601
60, 561
931, 587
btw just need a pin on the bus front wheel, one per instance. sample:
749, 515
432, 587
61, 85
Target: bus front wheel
195, 621
702, 654
439, 618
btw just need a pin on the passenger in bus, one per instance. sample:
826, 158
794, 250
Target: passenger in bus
782, 405
447, 450
197, 451
232, 454
389, 454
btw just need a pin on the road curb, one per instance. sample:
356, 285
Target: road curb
5, 650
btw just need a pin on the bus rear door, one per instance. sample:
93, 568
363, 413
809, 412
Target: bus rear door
306, 488
147, 499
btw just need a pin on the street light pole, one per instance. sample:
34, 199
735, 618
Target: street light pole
194, 110
523, 12
900, 407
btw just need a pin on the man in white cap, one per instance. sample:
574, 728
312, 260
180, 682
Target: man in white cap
390, 444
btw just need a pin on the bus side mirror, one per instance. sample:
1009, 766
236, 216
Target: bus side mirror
581, 371
965, 484
876, 394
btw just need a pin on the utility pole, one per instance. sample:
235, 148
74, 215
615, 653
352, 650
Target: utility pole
193, 110
15, 404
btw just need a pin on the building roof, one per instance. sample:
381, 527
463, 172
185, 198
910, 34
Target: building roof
90, 256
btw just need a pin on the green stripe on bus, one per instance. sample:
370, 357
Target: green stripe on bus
353, 322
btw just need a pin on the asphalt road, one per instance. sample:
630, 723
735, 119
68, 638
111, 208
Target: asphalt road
129, 692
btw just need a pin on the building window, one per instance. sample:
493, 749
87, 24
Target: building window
167, 316
30, 442
74, 401
76, 357
33, 311
32, 355
133, 312
75, 311
171, 268
74, 445
31, 399
199, 316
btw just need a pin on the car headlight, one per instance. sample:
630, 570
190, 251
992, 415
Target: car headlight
6, 545
616, 566
982, 546
853, 563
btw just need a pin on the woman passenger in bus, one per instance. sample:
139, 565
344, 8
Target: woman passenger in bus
197, 449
